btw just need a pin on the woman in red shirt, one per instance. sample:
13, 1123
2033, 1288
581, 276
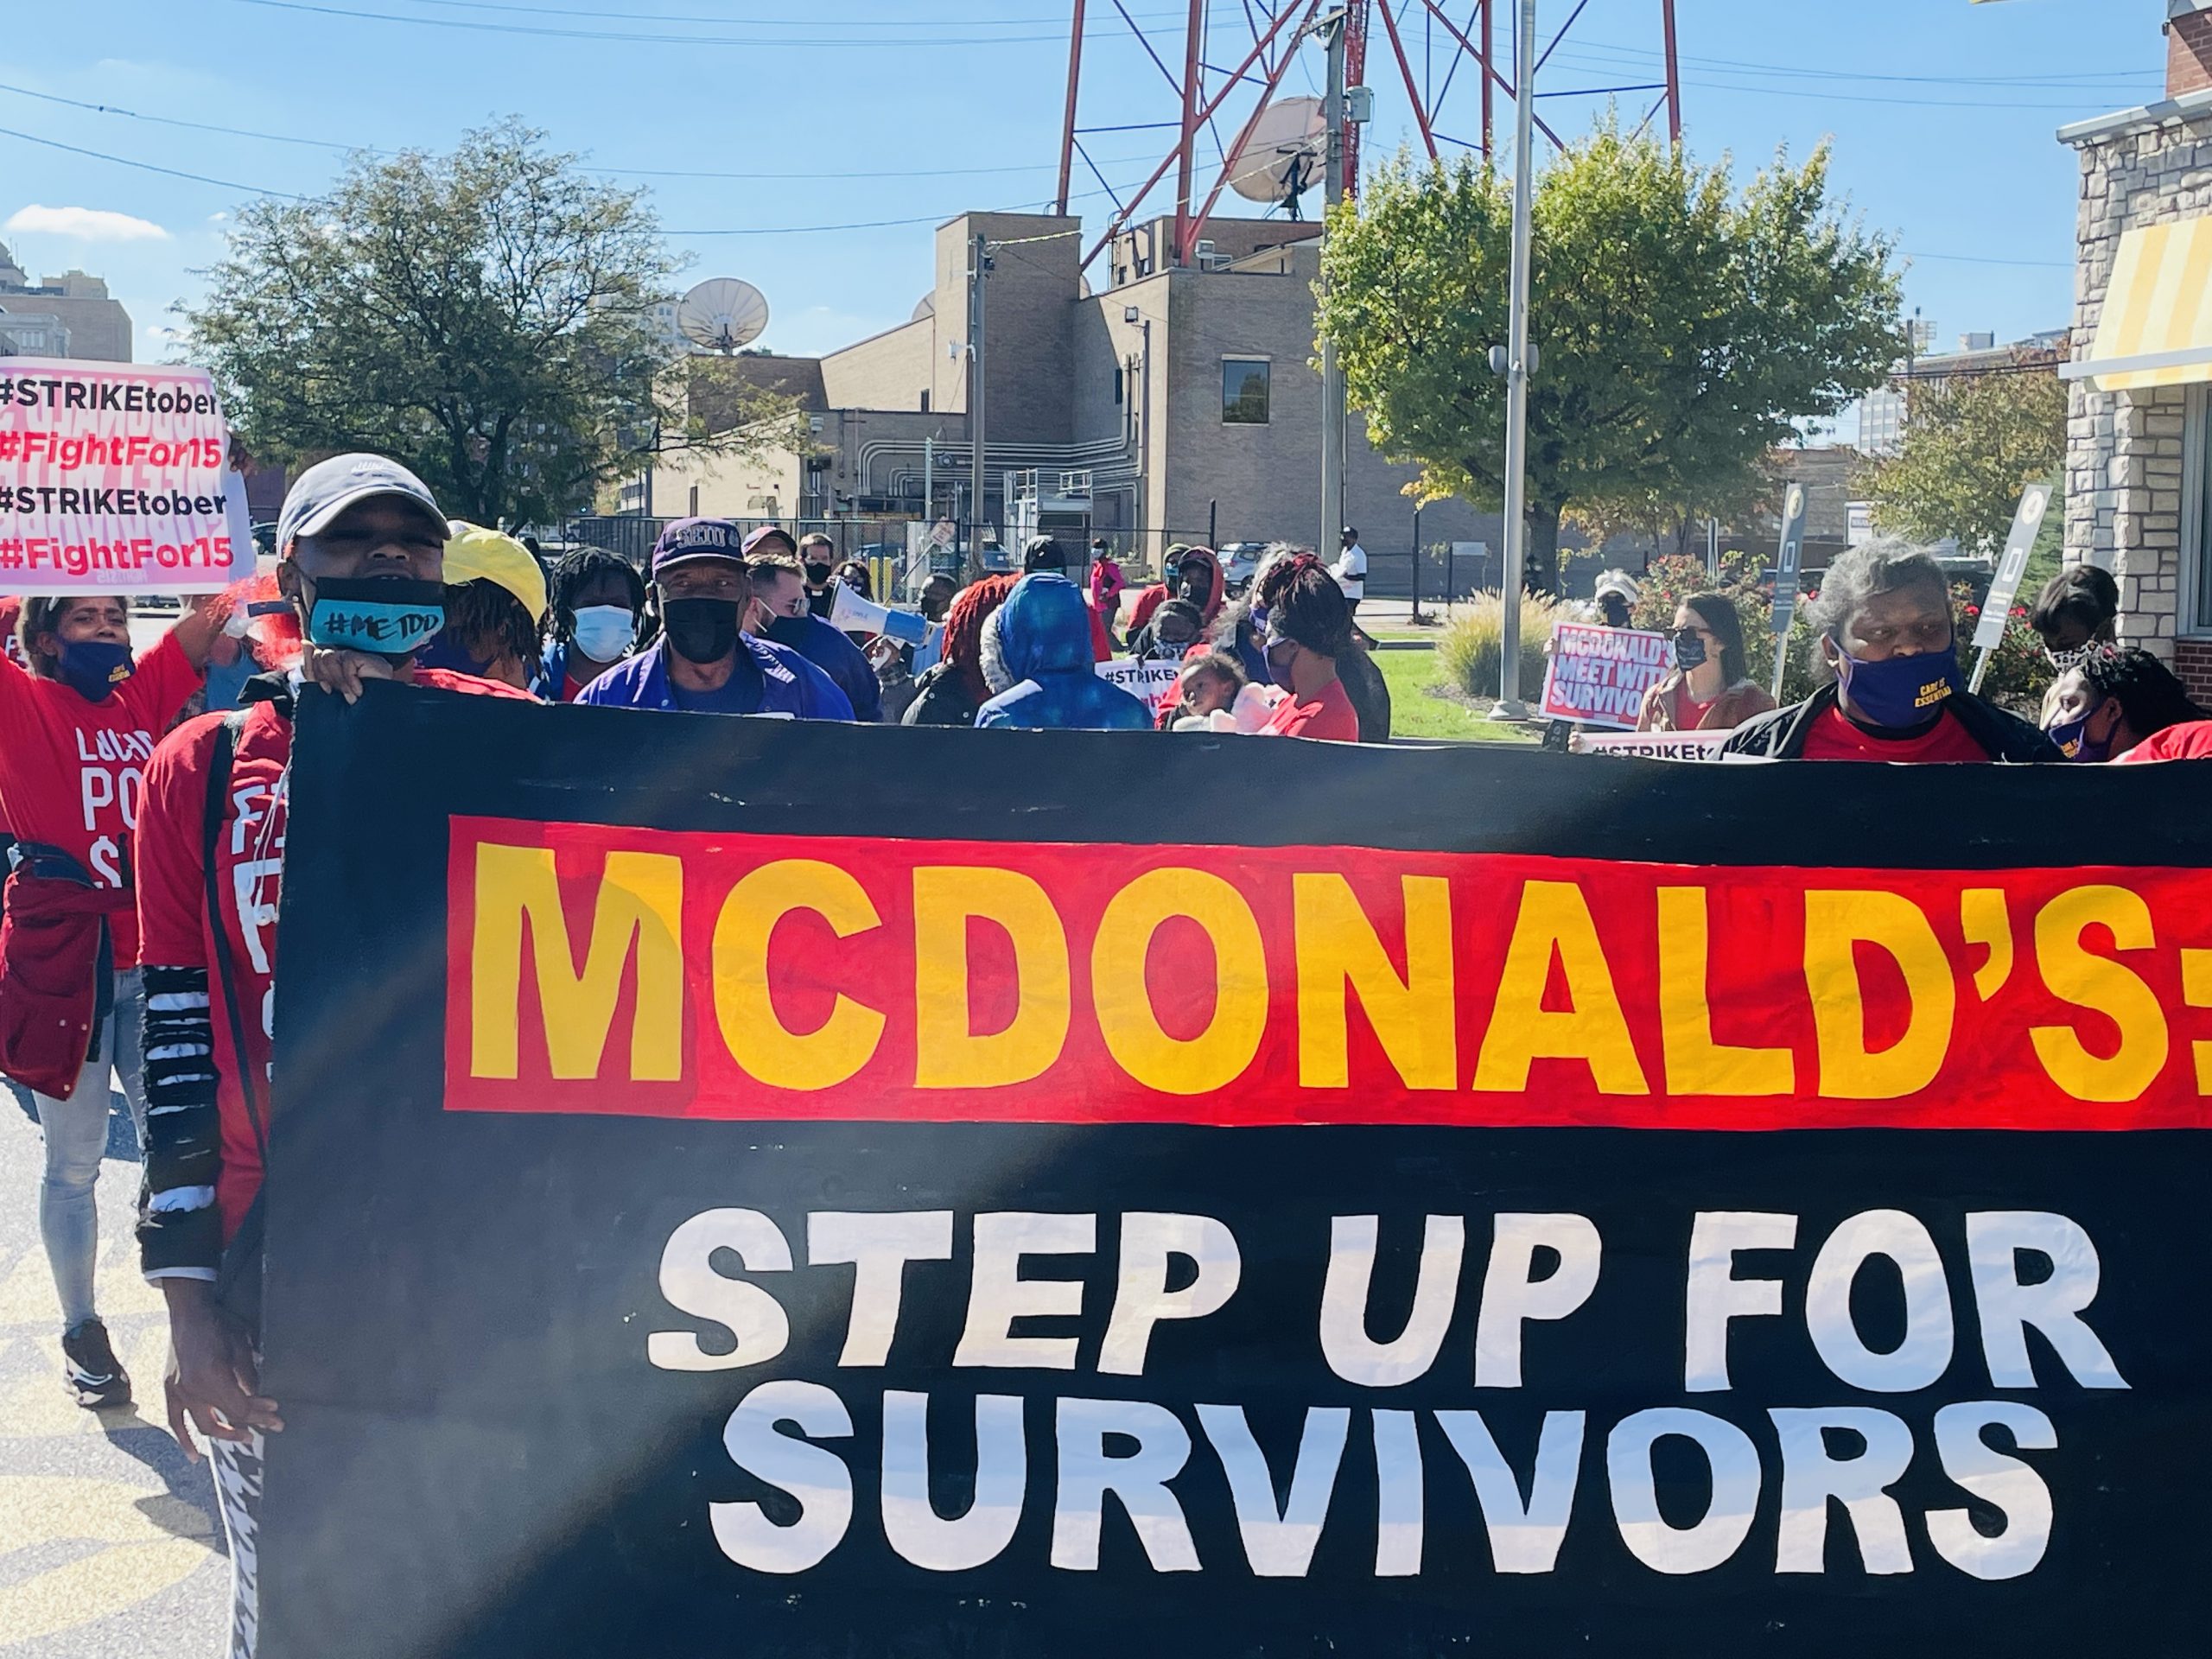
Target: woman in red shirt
1308, 627
76, 730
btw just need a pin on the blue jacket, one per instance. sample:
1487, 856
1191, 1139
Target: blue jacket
1043, 642
767, 680
836, 656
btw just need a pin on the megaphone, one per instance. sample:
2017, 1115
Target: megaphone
849, 612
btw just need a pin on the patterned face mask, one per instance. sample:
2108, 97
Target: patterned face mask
2063, 660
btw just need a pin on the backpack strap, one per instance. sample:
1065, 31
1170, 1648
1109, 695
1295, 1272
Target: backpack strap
220, 762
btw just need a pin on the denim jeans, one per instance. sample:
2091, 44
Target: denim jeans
76, 1140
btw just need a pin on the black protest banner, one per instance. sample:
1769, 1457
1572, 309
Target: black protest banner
746, 1187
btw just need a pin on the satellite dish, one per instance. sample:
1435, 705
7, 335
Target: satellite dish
722, 315
924, 307
1283, 154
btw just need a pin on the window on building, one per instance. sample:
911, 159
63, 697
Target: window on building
1244, 390
925, 403
1118, 389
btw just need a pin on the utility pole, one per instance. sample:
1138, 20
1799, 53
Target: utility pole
1332, 374
1516, 366
979, 267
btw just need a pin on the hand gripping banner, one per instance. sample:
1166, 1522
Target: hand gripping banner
747, 1187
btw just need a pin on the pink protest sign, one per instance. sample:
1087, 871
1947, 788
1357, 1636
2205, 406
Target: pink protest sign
1598, 676
113, 478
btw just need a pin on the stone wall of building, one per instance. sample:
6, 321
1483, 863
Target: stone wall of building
2124, 460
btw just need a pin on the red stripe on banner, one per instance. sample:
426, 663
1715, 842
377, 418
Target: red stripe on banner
645, 973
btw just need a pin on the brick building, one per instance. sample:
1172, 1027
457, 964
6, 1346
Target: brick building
1186, 394
69, 315
2138, 430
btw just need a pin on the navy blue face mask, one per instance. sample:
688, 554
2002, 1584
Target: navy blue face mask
93, 668
447, 652
2075, 742
1899, 693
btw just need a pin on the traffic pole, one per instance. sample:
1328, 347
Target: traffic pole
1509, 706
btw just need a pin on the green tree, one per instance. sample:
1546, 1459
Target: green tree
1972, 443
484, 316
1681, 327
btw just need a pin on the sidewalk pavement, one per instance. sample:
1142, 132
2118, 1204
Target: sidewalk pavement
111, 1540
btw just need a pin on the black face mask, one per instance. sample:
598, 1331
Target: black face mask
1689, 649
818, 574
792, 631
699, 630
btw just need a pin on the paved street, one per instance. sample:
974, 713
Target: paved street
109, 1541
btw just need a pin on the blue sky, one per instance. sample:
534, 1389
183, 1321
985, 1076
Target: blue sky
844, 111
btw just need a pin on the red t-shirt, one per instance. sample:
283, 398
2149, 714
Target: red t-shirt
1832, 737
72, 771
1328, 715
2191, 741
1689, 713
250, 859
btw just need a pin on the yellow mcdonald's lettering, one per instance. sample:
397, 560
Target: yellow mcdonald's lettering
638, 910
1339, 956
764, 1047
1555, 922
2075, 974
1695, 1063
948, 1054
1218, 1055
1836, 923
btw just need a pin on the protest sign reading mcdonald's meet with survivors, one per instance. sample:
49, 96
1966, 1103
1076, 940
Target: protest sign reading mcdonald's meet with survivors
841, 1216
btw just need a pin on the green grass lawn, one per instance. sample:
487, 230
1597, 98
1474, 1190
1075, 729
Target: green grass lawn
1421, 706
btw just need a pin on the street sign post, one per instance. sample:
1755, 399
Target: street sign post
1989, 632
1788, 561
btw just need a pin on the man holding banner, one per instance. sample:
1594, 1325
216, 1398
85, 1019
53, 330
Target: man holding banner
1883, 621
362, 545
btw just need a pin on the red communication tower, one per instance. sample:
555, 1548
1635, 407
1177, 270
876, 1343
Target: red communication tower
1236, 55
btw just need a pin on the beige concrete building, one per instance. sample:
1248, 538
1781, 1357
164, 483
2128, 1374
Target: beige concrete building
68, 315
2139, 428
1185, 398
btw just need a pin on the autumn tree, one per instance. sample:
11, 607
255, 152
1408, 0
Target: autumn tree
1972, 443
1682, 326
484, 316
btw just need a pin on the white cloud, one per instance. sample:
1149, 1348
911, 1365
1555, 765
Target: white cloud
83, 224
219, 218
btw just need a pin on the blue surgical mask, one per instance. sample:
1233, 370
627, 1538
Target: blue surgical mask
384, 616
603, 633
93, 668
1899, 693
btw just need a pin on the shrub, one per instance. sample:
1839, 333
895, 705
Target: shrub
1472, 646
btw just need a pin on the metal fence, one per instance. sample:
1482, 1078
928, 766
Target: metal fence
1437, 577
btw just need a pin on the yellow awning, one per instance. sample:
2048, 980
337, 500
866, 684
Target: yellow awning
2157, 327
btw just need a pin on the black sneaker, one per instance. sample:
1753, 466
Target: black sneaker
92, 1373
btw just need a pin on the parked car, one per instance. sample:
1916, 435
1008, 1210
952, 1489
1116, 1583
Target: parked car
1239, 563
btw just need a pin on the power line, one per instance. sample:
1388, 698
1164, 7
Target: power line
617, 172
147, 167
2052, 82
1979, 259
648, 39
748, 23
